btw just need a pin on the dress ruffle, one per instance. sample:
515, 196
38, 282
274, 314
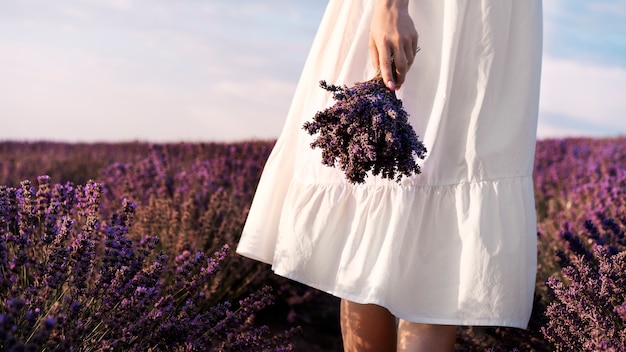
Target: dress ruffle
392, 253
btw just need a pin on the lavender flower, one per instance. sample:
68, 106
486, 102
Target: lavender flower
367, 129
72, 282
587, 312
194, 197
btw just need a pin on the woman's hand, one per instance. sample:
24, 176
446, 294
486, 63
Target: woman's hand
392, 35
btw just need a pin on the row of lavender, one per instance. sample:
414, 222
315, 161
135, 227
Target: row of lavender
70, 254
581, 189
136, 261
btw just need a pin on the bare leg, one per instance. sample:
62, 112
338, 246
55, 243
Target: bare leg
416, 337
367, 327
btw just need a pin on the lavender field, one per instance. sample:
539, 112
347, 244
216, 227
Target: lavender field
131, 247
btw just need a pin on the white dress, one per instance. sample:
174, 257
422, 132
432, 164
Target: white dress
453, 245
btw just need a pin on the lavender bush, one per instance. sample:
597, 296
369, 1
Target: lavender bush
581, 185
72, 282
74, 162
589, 309
195, 205
367, 129
195, 197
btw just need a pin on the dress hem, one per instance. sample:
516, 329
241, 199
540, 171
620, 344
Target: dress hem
250, 255
412, 318
408, 317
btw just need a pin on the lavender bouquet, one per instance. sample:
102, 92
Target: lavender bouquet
366, 130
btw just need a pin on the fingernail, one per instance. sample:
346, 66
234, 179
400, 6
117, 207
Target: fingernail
391, 85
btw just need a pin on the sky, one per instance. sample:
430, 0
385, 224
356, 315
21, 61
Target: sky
226, 70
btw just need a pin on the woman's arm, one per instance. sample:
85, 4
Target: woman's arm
392, 32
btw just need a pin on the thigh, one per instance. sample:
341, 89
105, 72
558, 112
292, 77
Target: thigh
367, 327
416, 337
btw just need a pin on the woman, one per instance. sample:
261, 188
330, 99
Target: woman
452, 246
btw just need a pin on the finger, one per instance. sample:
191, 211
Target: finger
374, 54
402, 67
385, 59
409, 52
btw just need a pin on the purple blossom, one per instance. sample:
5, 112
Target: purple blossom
71, 281
586, 314
194, 197
367, 129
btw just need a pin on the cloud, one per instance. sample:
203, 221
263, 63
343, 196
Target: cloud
77, 12
167, 72
215, 70
584, 69
587, 95
589, 31
123, 5
548, 130
79, 96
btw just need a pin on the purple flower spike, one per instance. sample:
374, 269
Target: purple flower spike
367, 129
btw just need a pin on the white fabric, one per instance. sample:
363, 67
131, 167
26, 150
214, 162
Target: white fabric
455, 244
